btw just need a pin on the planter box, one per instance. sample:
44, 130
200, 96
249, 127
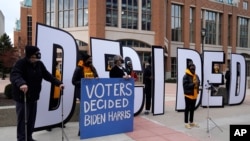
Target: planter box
8, 115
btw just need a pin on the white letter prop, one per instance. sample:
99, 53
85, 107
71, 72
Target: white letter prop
237, 90
138, 91
47, 38
102, 47
182, 56
211, 57
158, 95
99, 48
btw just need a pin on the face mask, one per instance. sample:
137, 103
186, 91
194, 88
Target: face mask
38, 55
192, 70
88, 63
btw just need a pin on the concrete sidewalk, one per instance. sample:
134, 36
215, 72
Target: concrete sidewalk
167, 127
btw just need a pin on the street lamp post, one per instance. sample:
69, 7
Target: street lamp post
203, 35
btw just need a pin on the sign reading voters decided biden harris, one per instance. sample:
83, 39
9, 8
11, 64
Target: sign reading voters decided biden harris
107, 106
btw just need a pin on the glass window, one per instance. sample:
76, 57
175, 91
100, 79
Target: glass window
229, 35
50, 12
210, 21
130, 14
176, 23
29, 30
146, 15
82, 13
245, 5
112, 13
134, 43
191, 25
243, 32
66, 13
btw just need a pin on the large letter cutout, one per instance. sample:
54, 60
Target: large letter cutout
46, 38
209, 78
182, 56
238, 79
158, 95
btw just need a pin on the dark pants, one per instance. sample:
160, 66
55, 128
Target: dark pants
31, 117
148, 97
189, 110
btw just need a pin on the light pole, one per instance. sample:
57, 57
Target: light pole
203, 35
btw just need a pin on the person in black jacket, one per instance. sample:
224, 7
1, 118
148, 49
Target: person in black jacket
118, 71
191, 83
147, 80
84, 69
227, 77
26, 79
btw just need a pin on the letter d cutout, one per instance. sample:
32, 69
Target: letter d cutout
47, 37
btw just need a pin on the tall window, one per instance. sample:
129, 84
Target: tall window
29, 30
146, 15
66, 13
210, 19
50, 12
229, 35
130, 14
245, 5
112, 13
176, 23
82, 12
243, 33
219, 29
191, 24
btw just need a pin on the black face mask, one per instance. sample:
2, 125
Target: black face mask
122, 61
38, 55
88, 63
192, 70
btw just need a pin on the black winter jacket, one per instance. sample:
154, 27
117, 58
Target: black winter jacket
146, 77
116, 72
76, 79
188, 85
24, 72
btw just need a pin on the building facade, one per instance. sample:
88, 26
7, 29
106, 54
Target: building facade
142, 23
2, 23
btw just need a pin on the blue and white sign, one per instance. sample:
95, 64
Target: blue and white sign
107, 106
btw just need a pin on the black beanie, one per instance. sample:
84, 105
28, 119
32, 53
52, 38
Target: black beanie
31, 50
85, 57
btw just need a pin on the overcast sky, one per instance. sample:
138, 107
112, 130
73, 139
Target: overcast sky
11, 12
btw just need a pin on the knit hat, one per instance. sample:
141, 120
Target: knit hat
85, 57
31, 50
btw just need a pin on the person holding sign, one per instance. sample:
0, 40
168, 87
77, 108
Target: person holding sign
84, 69
191, 83
118, 71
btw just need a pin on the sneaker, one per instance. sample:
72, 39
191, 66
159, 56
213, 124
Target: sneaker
187, 126
194, 125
